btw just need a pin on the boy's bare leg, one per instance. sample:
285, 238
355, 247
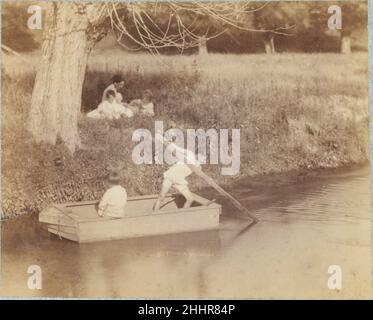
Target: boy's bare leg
188, 195
166, 186
201, 200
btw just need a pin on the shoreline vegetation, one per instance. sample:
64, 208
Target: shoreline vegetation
296, 112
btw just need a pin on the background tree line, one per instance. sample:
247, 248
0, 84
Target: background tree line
299, 27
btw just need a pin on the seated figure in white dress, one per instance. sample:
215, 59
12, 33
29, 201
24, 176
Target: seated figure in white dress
110, 109
117, 84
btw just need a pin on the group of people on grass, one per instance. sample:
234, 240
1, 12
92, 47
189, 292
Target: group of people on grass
112, 105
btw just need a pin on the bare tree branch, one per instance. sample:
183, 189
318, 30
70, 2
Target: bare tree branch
145, 31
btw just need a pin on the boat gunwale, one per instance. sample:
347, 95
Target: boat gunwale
134, 198
77, 219
161, 212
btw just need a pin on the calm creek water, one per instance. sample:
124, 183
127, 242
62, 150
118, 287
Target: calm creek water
308, 222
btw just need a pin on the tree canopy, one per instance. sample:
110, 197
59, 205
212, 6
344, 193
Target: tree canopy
179, 27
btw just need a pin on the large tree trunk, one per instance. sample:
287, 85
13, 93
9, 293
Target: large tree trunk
345, 42
202, 46
269, 44
56, 97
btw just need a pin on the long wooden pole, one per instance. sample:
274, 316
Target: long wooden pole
213, 184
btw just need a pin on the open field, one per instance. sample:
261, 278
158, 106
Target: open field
295, 111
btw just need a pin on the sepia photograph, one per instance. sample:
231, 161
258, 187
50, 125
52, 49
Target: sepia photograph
185, 150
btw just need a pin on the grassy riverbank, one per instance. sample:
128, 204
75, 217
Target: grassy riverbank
295, 111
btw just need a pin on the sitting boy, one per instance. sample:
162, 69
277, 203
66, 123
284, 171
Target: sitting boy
110, 109
143, 106
175, 177
114, 199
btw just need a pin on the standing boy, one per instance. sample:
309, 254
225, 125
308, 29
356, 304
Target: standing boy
175, 177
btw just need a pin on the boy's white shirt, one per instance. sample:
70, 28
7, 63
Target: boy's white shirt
113, 202
184, 156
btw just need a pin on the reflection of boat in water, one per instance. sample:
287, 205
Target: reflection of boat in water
79, 221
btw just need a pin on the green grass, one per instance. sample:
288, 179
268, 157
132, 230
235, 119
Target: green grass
295, 111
